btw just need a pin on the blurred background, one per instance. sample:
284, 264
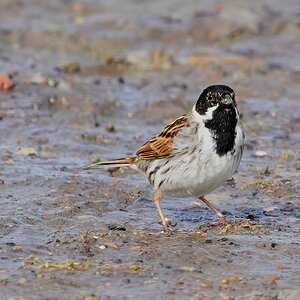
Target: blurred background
82, 81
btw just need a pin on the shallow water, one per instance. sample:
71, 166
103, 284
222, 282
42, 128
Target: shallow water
141, 65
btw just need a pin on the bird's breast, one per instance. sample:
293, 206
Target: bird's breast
195, 168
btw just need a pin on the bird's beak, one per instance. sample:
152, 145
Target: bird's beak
227, 100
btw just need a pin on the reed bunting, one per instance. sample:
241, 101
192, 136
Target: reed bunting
194, 154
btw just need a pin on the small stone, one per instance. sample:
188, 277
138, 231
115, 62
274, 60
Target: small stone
271, 208
121, 80
97, 81
27, 151
273, 245
22, 280
6, 83
110, 127
260, 153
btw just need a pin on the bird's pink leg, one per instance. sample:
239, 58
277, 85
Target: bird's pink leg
221, 217
156, 197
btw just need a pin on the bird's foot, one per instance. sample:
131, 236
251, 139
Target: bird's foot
169, 225
221, 222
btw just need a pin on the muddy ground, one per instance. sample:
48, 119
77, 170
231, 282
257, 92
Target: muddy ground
96, 79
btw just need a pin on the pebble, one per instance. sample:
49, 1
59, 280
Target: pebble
6, 83
260, 153
271, 208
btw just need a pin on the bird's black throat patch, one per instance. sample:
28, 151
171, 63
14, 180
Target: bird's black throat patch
223, 128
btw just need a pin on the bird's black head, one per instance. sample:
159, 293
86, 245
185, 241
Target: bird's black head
215, 96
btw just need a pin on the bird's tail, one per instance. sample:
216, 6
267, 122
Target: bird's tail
121, 162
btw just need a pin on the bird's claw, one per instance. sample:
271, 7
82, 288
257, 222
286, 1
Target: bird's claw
169, 225
222, 221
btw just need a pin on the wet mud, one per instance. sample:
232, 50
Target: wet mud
94, 80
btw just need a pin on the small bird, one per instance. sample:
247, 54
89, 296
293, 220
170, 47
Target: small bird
194, 154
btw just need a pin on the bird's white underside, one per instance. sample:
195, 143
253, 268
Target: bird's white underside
195, 169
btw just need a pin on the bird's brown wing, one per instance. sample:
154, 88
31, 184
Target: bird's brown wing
160, 145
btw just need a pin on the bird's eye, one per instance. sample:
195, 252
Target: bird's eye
209, 97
